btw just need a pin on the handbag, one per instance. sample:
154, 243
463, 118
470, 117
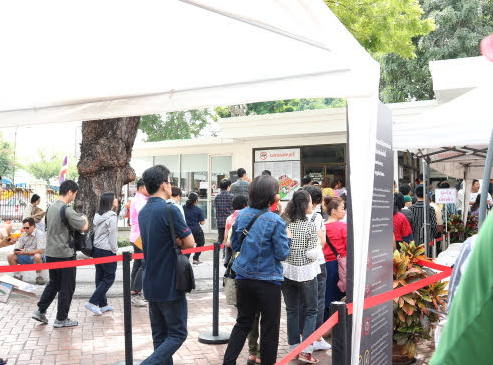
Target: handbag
229, 281
185, 280
341, 267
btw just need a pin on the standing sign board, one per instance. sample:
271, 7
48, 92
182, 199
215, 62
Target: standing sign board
376, 334
284, 165
445, 196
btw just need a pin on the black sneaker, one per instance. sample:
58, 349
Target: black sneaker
65, 323
41, 317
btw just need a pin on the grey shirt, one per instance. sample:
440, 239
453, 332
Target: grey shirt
57, 235
105, 231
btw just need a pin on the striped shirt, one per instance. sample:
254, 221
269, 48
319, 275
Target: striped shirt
418, 230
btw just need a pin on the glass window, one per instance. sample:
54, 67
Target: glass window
172, 163
194, 174
140, 164
220, 168
324, 154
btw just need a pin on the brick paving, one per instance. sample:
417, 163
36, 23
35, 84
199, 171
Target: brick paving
100, 340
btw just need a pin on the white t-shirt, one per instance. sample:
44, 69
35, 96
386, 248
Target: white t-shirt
170, 200
474, 196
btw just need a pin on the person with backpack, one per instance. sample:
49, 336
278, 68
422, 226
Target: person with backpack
59, 247
105, 244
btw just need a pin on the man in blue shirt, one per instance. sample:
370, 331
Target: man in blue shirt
167, 306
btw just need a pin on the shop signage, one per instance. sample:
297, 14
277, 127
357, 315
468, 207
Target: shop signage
285, 154
445, 196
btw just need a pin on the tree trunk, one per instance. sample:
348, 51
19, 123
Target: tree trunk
104, 164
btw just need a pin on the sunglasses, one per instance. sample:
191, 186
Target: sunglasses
26, 227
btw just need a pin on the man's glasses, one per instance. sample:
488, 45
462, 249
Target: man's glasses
26, 227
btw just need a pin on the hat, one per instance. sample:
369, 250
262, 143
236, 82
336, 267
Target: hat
407, 198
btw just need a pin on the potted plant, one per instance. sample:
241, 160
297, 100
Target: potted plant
413, 319
460, 232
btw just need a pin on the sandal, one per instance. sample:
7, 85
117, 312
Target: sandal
308, 358
249, 361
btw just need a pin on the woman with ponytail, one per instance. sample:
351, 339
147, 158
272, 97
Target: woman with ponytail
194, 217
336, 231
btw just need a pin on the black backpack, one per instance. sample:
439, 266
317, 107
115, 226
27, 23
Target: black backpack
80, 240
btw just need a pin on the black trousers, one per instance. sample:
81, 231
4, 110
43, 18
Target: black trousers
62, 281
253, 295
136, 275
198, 236
220, 234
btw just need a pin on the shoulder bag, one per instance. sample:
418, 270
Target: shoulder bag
79, 239
185, 280
229, 281
341, 267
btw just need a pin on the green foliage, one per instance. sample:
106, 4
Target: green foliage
124, 242
383, 26
7, 162
461, 24
460, 232
49, 167
412, 317
284, 106
175, 125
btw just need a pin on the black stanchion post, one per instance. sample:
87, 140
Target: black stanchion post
127, 308
215, 337
340, 354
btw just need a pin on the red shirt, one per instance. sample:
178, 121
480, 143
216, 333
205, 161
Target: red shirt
337, 234
402, 228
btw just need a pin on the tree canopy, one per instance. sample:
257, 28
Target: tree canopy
175, 125
461, 24
49, 167
383, 26
7, 162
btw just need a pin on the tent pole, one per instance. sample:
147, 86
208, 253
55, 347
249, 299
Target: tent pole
486, 180
425, 208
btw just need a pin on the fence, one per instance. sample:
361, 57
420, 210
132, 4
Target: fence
340, 311
14, 201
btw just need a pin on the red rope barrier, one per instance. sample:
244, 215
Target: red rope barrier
85, 262
331, 322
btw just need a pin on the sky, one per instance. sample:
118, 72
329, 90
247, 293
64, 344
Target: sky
62, 138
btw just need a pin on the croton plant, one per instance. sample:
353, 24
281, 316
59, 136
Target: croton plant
413, 318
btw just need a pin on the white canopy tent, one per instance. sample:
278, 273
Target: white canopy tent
455, 135
94, 60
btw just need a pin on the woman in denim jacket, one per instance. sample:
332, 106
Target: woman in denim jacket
259, 272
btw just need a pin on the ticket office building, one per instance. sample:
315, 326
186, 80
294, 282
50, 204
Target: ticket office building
289, 145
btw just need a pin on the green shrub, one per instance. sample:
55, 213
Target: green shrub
124, 242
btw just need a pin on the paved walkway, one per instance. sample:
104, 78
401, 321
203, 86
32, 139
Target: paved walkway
100, 340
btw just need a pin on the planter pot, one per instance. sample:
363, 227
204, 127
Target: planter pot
399, 358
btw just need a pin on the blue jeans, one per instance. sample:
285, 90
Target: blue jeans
169, 330
332, 292
321, 282
105, 277
292, 290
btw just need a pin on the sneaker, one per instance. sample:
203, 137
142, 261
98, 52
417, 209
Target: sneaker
106, 309
93, 308
18, 276
197, 262
137, 301
65, 323
41, 317
40, 280
321, 345
307, 357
